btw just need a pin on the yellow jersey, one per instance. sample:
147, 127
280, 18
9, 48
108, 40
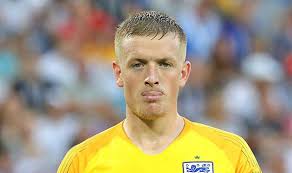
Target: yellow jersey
198, 149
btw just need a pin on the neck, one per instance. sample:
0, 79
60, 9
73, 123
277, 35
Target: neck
153, 136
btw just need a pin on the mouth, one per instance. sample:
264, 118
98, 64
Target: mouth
152, 96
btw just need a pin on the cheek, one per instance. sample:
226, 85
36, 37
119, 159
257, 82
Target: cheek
131, 86
174, 88
172, 84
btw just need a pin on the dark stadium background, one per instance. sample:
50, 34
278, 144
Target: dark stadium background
57, 86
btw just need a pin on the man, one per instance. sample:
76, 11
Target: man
151, 67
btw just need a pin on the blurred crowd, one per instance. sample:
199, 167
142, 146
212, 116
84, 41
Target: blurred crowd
57, 87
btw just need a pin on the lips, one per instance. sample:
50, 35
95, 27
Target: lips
152, 96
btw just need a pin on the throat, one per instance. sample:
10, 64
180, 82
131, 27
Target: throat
150, 139
155, 146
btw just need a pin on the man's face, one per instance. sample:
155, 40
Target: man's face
151, 72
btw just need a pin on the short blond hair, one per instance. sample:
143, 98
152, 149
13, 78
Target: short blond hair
148, 23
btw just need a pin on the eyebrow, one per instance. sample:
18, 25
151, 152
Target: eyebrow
157, 60
165, 59
137, 59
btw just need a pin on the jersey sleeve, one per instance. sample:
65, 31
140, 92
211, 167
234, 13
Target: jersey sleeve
247, 162
70, 162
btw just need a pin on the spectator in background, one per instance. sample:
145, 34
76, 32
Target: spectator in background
5, 160
9, 60
283, 39
222, 63
286, 95
29, 85
192, 99
266, 126
54, 132
202, 27
16, 134
237, 28
286, 90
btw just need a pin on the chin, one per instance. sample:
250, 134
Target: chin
151, 114
148, 111
149, 117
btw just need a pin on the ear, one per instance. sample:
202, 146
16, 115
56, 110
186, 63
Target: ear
185, 73
117, 73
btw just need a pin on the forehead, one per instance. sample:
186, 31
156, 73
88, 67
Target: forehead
147, 46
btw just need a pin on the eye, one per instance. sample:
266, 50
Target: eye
165, 64
137, 65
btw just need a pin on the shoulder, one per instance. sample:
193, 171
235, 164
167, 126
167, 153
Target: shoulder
234, 146
227, 141
98, 140
78, 156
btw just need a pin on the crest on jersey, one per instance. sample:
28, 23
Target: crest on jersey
198, 167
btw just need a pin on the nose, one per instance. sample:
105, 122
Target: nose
152, 77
